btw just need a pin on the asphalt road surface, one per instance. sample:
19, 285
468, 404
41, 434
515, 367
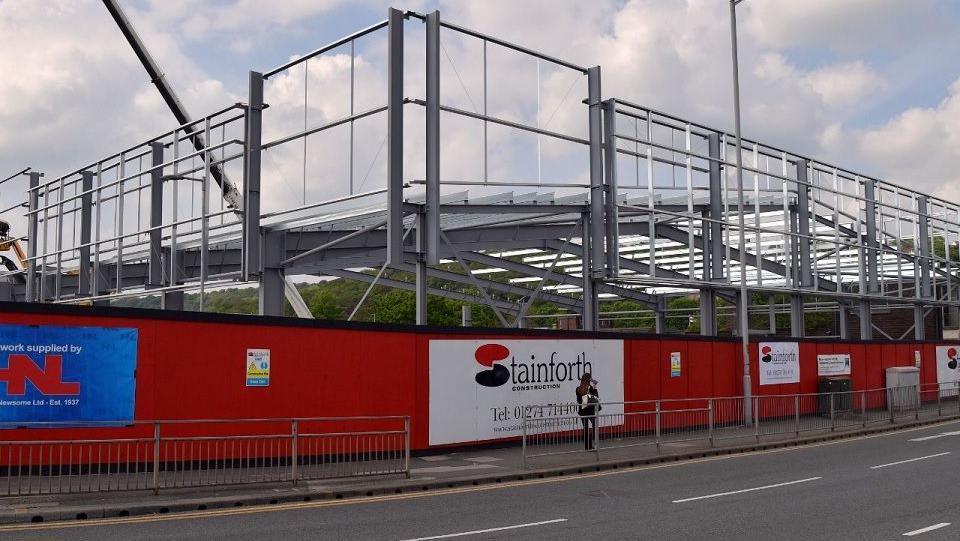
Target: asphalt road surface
902, 485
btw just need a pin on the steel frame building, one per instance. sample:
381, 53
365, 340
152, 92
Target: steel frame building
652, 215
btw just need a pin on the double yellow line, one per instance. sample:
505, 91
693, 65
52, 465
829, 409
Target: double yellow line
234, 511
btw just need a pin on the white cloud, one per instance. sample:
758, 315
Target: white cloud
919, 147
844, 84
849, 25
201, 19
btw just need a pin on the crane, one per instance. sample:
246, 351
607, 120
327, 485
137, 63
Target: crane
231, 194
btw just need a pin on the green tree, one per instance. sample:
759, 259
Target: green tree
394, 306
642, 320
687, 319
324, 304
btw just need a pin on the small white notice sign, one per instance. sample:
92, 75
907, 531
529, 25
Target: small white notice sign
833, 364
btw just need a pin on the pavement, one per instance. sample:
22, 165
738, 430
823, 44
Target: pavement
836, 486
435, 475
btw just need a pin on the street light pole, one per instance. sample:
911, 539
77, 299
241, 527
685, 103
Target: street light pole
744, 294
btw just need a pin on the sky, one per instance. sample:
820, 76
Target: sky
869, 85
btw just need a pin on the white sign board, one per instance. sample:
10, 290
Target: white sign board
779, 363
833, 364
479, 388
948, 369
258, 367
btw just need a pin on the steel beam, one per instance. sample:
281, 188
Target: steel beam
923, 248
272, 279
611, 208
675, 234
866, 320
431, 247
863, 239
919, 322
395, 136
714, 251
252, 236
595, 127
502, 287
843, 320
589, 315
660, 316
708, 312
600, 287
32, 236
870, 220
171, 299
421, 268
803, 224
86, 221
771, 315
156, 215
797, 322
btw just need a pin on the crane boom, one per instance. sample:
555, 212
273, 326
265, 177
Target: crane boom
231, 195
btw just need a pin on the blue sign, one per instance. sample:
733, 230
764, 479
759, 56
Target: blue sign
72, 376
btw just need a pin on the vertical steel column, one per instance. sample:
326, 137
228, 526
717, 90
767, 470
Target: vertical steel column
803, 223
708, 312
659, 316
32, 203
423, 241
466, 316
171, 300
793, 273
803, 272
866, 320
713, 236
873, 256
870, 220
923, 247
204, 219
923, 289
589, 315
919, 322
272, 278
611, 208
797, 326
252, 236
596, 231
716, 209
842, 321
431, 247
395, 137
156, 216
771, 314
86, 221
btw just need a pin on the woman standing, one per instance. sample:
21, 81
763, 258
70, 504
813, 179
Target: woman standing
589, 401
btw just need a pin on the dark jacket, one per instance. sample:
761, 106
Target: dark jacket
594, 398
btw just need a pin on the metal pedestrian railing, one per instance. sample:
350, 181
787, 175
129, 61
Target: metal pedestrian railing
155, 455
682, 423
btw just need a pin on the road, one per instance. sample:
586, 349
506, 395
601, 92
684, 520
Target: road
874, 487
